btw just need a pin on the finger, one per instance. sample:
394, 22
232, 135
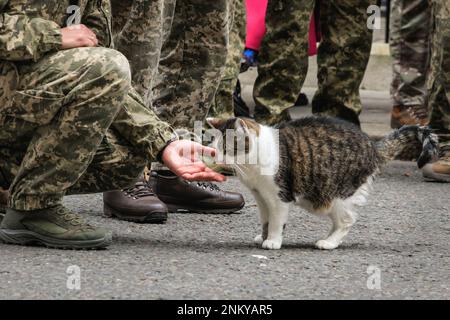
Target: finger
214, 177
219, 177
91, 36
204, 176
89, 31
188, 176
191, 169
88, 43
211, 171
192, 177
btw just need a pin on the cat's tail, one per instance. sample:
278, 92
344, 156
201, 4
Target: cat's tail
409, 140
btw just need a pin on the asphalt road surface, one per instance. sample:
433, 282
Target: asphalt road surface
399, 248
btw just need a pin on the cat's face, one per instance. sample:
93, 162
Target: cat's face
237, 139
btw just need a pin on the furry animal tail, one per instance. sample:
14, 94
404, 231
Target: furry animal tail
410, 139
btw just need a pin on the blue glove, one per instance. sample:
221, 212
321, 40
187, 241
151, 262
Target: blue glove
250, 56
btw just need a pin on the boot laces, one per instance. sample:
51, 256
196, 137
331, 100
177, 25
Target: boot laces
70, 217
140, 190
207, 185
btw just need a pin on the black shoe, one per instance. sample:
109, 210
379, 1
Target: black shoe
240, 107
302, 100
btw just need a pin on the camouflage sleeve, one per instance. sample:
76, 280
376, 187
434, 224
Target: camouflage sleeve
25, 38
97, 16
141, 126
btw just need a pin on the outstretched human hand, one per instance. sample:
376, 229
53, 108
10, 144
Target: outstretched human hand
182, 157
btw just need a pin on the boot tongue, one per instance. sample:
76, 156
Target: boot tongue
139, 190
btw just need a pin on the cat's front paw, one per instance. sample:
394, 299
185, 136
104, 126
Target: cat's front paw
258, 239
271, 245
326, 245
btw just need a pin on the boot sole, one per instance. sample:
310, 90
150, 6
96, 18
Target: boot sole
27, 238
173, 208
436, 177
151, 218
431, 176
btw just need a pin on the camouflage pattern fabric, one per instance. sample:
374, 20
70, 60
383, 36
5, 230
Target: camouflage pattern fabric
192, 59
439, 77
342, 57
283, 59
69, 120
137, 28
223, 102
409, 44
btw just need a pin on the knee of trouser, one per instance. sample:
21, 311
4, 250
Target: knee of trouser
113, 68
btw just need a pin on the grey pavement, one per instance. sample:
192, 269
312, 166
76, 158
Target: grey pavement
402, 234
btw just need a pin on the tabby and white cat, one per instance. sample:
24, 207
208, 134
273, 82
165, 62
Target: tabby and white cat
322, 164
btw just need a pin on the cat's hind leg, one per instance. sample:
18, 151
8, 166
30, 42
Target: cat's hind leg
343, 217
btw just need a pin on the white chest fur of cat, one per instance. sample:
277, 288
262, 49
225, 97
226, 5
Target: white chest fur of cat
260, 177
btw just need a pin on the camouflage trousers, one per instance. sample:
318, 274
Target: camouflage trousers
137, 28
439, 77
223, 101
342, 58
410, 46
195, 45
74, 126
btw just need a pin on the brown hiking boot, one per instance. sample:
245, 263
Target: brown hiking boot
409, 115
201, 197
136, 204
439, 170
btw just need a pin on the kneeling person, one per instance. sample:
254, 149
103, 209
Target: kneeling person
71, 123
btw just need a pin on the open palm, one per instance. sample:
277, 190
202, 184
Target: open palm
183, 157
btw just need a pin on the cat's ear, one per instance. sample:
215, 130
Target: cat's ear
241, 127
215, 122
249, 126
240, 123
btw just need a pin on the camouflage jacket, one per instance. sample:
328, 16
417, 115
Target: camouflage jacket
30, 29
